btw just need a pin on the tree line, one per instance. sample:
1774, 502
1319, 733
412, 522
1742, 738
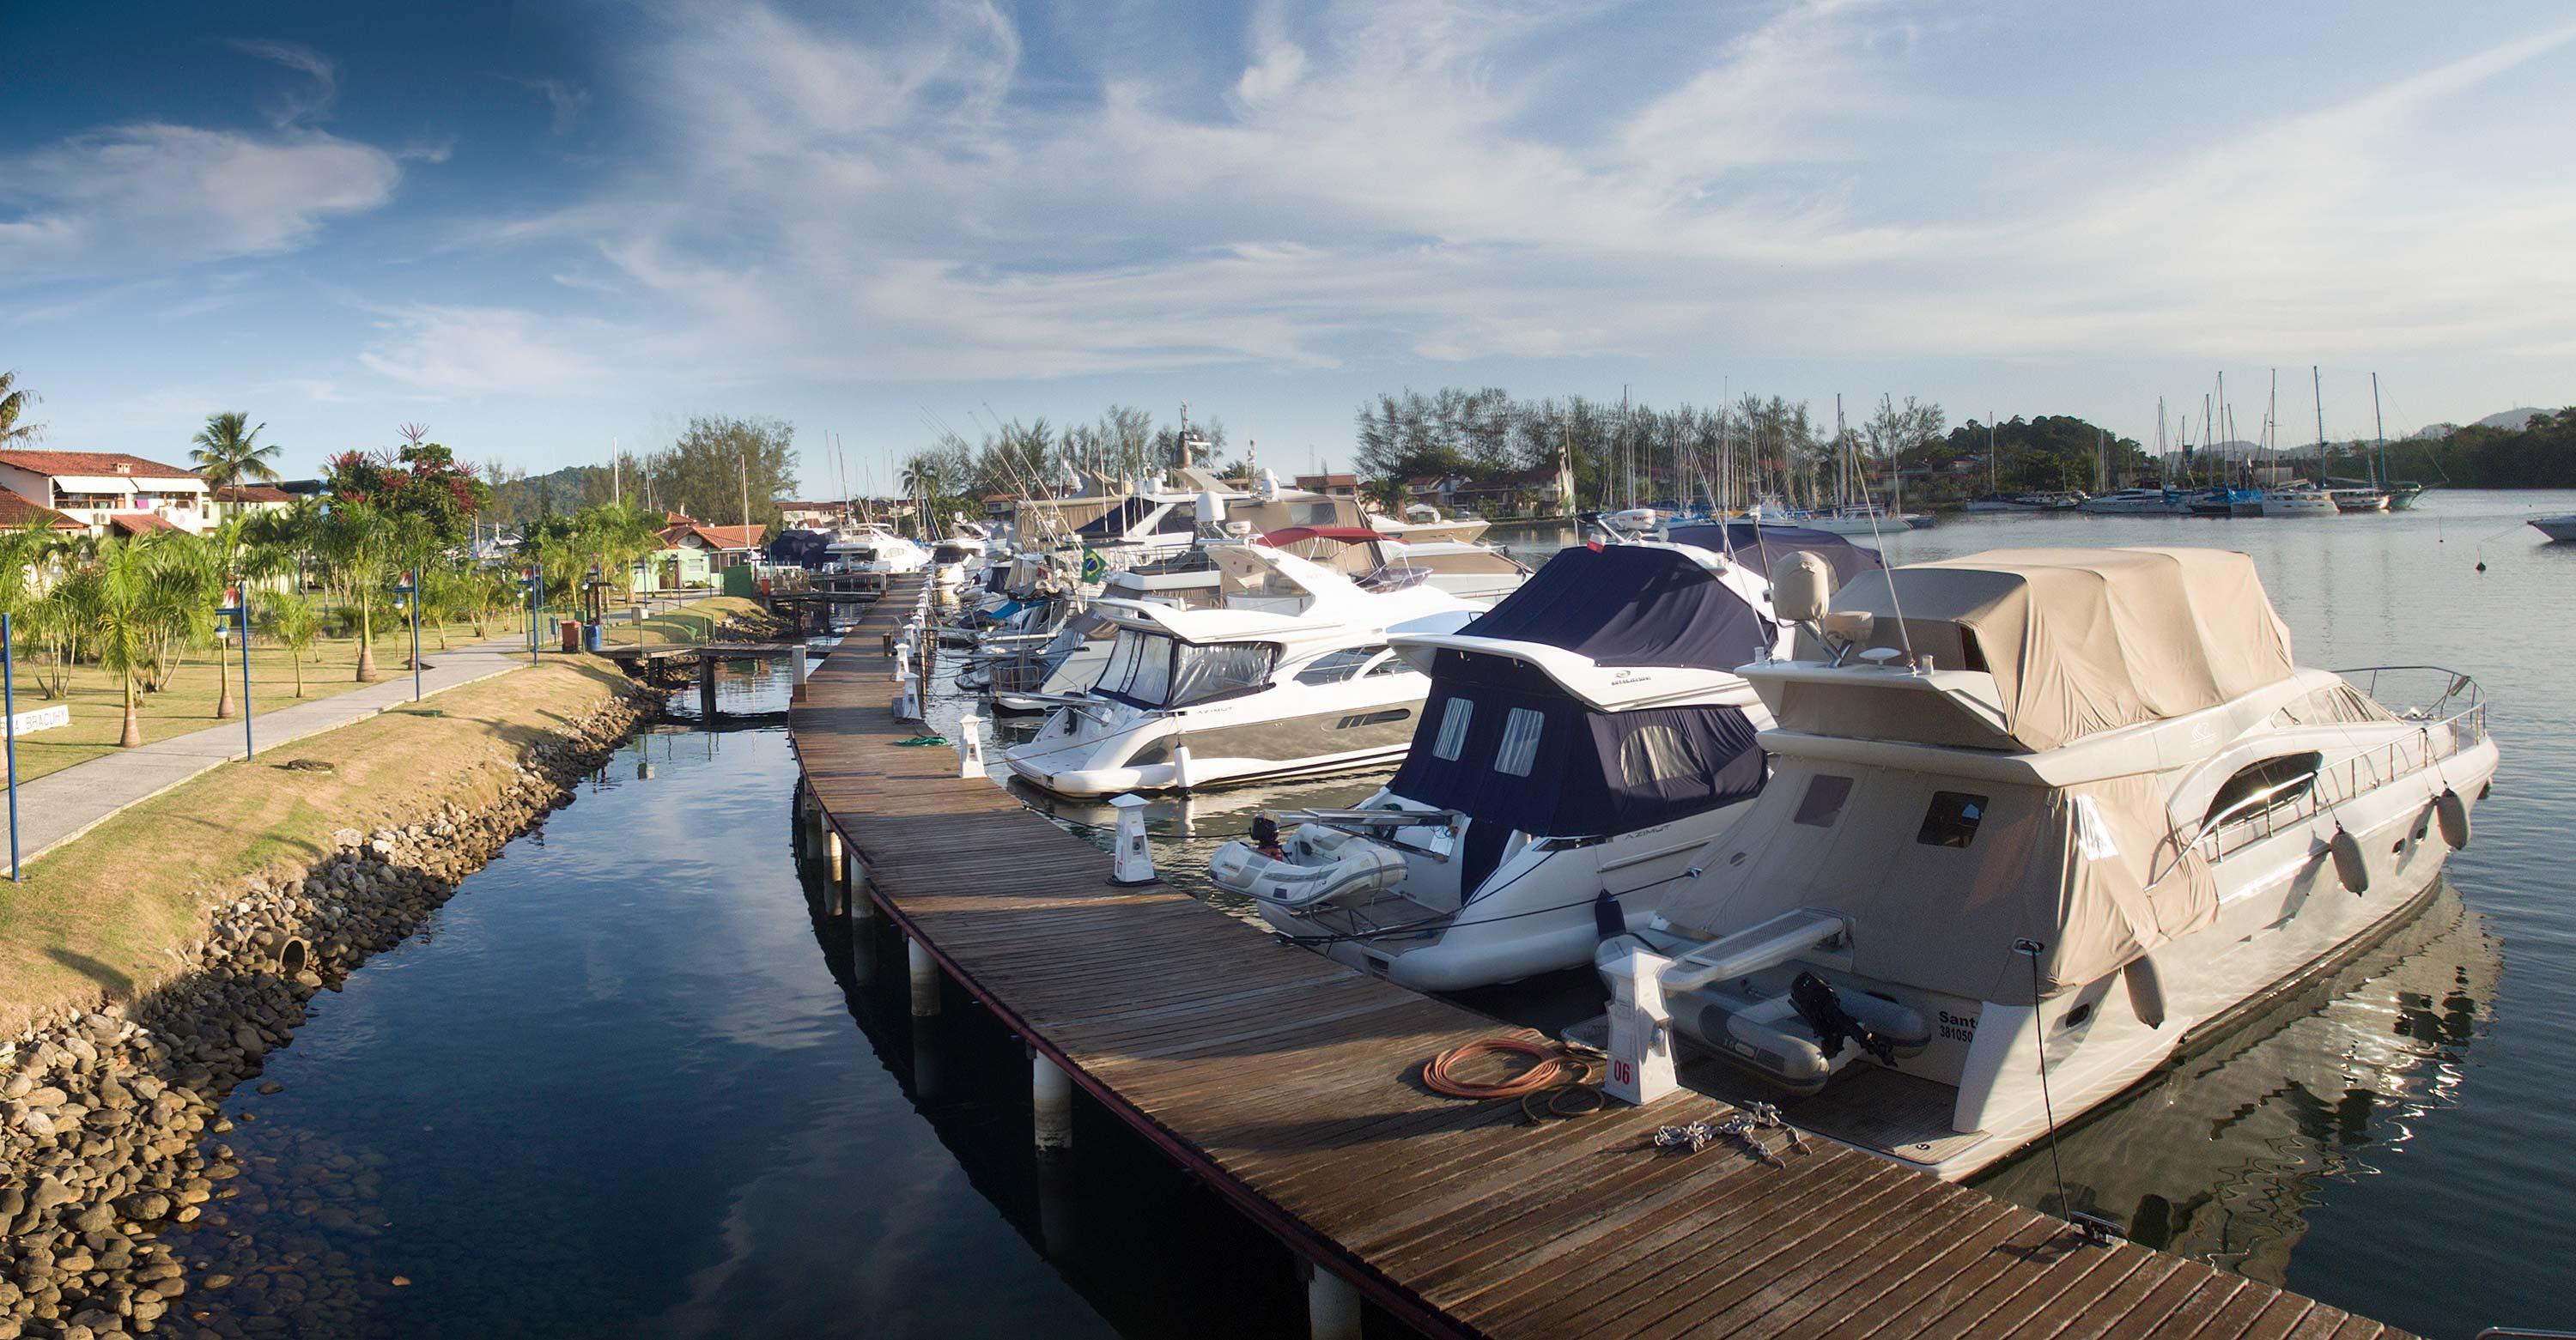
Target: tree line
721, 470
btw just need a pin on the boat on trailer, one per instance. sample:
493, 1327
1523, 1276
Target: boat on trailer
2071, 810
1590, 733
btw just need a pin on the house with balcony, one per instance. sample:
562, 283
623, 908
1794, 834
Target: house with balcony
109, 492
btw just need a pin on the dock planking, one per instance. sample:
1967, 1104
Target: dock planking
1292, 1085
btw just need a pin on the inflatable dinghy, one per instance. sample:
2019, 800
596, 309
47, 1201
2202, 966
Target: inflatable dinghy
1318, 866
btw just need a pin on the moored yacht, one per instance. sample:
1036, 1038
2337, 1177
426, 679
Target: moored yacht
2069, 810
2298, 498
1288, 674
1589, 736
873, 550
2132, 502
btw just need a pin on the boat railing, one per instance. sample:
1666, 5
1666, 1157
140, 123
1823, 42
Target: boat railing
2298, 799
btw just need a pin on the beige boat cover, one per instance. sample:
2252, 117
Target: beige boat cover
2084, 640
2091, 872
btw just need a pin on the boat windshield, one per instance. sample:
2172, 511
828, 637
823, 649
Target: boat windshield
1156, 670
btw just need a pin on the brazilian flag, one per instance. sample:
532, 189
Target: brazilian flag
1093, 568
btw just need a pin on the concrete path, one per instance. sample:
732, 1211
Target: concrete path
59, 806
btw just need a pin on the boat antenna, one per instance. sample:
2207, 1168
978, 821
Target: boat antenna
1896, 459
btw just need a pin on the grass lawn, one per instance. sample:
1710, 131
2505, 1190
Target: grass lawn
97, 701
107, 912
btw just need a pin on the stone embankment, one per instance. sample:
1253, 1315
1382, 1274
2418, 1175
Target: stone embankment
110, 1120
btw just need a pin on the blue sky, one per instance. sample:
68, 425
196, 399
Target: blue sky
541, 227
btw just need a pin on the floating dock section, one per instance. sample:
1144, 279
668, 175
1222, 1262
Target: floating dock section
1292, 1085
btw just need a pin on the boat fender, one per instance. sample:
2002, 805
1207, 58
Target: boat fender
1822, 1007
2452, 810
1608, 921
2348, 863
2146, 991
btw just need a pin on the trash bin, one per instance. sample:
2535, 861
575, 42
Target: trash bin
571, 635
590, 637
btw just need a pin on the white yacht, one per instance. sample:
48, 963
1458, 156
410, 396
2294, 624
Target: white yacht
874, 549
2064, 816
1583, 745
2299, 498
2133, 502
1468, 571
1289, 674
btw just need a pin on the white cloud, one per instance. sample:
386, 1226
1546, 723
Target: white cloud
294, 107
1374, 174
141, 197
464, 350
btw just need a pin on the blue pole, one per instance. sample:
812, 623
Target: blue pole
250, 747
9, 705
415, 636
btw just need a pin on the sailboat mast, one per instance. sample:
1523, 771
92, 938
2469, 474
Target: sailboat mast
2379, 432
2317, 387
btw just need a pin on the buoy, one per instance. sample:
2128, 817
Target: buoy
2452, 810
2146, 991
1133, 863
2348, 863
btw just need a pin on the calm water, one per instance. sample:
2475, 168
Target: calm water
628, 1084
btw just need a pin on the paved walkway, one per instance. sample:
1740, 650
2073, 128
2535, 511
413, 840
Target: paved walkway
59, 806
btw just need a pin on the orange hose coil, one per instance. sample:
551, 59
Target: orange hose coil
1552, 1070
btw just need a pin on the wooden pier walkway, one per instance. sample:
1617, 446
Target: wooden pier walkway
1292, 1086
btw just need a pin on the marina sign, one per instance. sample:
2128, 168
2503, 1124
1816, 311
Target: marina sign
43, 718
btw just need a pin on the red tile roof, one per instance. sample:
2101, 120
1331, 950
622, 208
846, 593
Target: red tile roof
17, 513
253, 493
715, 537
138, 523
92, 463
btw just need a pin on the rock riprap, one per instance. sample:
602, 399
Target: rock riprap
110, 1117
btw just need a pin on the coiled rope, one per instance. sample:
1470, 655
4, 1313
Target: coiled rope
1552, 1068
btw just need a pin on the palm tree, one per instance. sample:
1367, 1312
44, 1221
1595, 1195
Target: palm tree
122, 603
14, 400
360, 545
228, 451
289, 617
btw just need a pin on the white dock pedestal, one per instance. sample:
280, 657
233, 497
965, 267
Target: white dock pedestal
1332, 1306
1051, 1095
925, 979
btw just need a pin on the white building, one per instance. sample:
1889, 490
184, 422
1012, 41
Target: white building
109, 491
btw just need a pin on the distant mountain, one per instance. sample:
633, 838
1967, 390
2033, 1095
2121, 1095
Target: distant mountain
2513, 418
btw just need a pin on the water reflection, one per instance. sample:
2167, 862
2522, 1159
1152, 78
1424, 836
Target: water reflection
2218, 1157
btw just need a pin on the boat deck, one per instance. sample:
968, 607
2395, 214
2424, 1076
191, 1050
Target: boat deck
1292, 1086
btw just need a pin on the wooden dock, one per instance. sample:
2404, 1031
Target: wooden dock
1292, 1085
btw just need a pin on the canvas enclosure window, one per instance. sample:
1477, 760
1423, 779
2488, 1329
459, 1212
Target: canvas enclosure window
1335, 666
1203, 674
1654, 754
1452, 740
1519, 749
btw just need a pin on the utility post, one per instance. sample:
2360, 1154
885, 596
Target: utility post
237, 609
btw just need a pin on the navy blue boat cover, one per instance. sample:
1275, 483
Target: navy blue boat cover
1593, 774
1758, 547
1117, 520
1630, 604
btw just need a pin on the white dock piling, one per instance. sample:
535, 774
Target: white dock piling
1641, 1030
796, 663
1133, 861
908, 703
1051, 1095
862, 908
970, 746
925, 979
1332, 1306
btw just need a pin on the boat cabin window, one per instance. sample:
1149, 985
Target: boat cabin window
1152, 670
1392, 665
1952, 821
1823, 802
1335, 666
2274, 781
1519, 748
1652, 754
1452, 740
1318, 512
1177, 521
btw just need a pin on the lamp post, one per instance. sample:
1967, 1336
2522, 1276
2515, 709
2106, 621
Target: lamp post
237, 608
9, 707
409, 590
535, 582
